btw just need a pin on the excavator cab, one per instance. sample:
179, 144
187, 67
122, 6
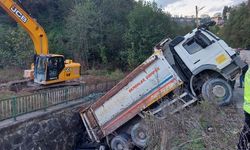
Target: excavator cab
48, 68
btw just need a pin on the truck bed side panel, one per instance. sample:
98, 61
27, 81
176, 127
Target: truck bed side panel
143, 84
136, 95
139, 106
146, 84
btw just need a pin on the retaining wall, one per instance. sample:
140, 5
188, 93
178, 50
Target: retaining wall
55, 129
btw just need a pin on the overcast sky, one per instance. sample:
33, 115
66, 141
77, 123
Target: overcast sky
187, 7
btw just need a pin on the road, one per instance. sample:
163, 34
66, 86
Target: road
238, 98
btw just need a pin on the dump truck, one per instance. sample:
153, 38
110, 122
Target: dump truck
181, 71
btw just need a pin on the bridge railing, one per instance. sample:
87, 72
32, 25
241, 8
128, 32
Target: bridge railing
20, 105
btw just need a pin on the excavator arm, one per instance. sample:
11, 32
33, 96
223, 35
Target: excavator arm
36, 32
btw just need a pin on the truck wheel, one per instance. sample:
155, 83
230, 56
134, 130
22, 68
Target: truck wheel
121, 142
217, 90
102, 147
139, 135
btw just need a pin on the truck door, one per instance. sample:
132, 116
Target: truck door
203, 49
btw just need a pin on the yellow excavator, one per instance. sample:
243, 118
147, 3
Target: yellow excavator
47, 68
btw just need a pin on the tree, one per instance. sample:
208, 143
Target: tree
236, 31
147, 26
114, 23
83, 30
16, 48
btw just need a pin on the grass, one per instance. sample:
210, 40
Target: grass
10, 74
4, 94
7, 94
204, 126
196, 141
112, 75
7, 75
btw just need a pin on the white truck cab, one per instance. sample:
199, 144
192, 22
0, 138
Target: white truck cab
202, 48
205, 62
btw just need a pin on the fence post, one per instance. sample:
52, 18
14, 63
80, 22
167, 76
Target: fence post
45, 101
14, 108
66, 95
82, 91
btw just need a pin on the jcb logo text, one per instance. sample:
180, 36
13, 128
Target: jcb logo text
18, 14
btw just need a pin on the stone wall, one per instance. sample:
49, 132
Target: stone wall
57, 129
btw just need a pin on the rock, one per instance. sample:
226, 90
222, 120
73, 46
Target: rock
18, 139
33, 128
6, 145
210, 129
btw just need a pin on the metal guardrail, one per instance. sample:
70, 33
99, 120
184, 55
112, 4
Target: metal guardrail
16, 106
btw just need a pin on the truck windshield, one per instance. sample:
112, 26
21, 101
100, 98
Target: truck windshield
196, 43
192, 46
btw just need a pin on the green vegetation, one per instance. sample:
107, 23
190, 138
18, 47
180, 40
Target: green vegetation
236, 30
10, 74
106, 74
15, 48
107, 34
143, 31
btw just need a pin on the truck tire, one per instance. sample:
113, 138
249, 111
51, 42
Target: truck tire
139, 135
217, 90
102, 147
121, 142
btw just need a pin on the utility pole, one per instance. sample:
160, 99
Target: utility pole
197, 15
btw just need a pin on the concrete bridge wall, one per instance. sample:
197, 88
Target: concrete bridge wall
56, 129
